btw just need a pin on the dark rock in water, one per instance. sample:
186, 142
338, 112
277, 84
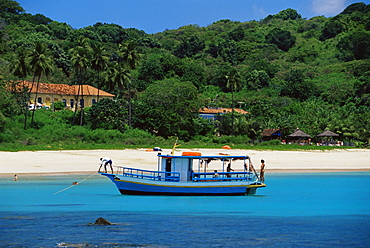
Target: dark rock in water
102, 221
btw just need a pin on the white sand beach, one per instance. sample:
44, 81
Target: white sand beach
87, 161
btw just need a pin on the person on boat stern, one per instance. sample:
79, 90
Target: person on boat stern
249, 168
105, 162
262, 171
228, 169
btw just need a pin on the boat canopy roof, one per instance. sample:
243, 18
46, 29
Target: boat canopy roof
204, 157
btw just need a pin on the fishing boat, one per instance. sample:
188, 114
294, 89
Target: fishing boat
190, 174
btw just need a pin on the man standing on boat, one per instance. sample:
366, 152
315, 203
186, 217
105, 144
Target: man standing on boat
228, 169
105, 162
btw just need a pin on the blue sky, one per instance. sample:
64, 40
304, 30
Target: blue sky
154, 16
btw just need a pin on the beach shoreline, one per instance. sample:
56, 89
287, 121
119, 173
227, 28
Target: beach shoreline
87, 173
84, 162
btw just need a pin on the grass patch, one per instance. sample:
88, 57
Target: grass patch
164, 144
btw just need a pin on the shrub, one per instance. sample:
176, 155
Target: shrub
103, 136
59, 105
140, 137
2, 122
284, 40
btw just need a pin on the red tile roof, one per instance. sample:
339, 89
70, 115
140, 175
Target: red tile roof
221, 111
64, 89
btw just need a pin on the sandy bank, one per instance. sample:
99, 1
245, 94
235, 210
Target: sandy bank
87, 161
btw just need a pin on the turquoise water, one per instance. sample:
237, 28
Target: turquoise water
294, 210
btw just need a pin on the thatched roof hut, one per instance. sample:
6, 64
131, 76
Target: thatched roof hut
269, 134
299, 134
328, 133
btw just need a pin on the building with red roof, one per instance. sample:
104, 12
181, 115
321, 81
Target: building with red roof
47, 94
214, 113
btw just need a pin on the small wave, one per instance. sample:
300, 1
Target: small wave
60, 205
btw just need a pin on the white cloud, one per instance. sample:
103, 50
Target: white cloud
258, 10
328, 7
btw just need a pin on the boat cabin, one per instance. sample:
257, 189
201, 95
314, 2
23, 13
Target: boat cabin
192, 166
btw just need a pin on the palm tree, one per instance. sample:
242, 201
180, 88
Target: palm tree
118, 76
19, 67
19, 64
99, 60
128, 54
41, 63
129, 57
233, 82
80, 59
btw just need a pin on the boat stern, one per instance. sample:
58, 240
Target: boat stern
252, 189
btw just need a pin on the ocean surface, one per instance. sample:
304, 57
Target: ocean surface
294, 210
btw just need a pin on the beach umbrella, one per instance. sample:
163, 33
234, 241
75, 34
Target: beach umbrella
328, 133
299, 134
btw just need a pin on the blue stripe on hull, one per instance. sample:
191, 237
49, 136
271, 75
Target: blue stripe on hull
129, 192
145, 189
134, 186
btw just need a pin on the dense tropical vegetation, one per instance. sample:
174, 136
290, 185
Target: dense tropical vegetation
286, 71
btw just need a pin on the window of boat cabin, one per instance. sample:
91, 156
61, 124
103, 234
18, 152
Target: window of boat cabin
184, 166
168, 165
190, 170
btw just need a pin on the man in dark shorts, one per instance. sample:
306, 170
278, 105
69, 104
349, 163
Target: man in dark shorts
105, 162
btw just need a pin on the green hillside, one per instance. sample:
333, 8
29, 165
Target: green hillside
285, 70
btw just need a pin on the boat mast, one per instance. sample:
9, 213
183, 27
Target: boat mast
174, 146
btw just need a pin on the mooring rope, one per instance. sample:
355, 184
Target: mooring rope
74, 184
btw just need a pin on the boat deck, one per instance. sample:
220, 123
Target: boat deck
175, 176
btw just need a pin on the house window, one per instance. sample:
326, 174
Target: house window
64, 103
82, 103
72, 103
39, 100
93, 101
56, 99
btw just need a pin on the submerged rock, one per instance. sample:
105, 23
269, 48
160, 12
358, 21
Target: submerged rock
102, 221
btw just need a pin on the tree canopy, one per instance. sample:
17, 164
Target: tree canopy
285, 70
